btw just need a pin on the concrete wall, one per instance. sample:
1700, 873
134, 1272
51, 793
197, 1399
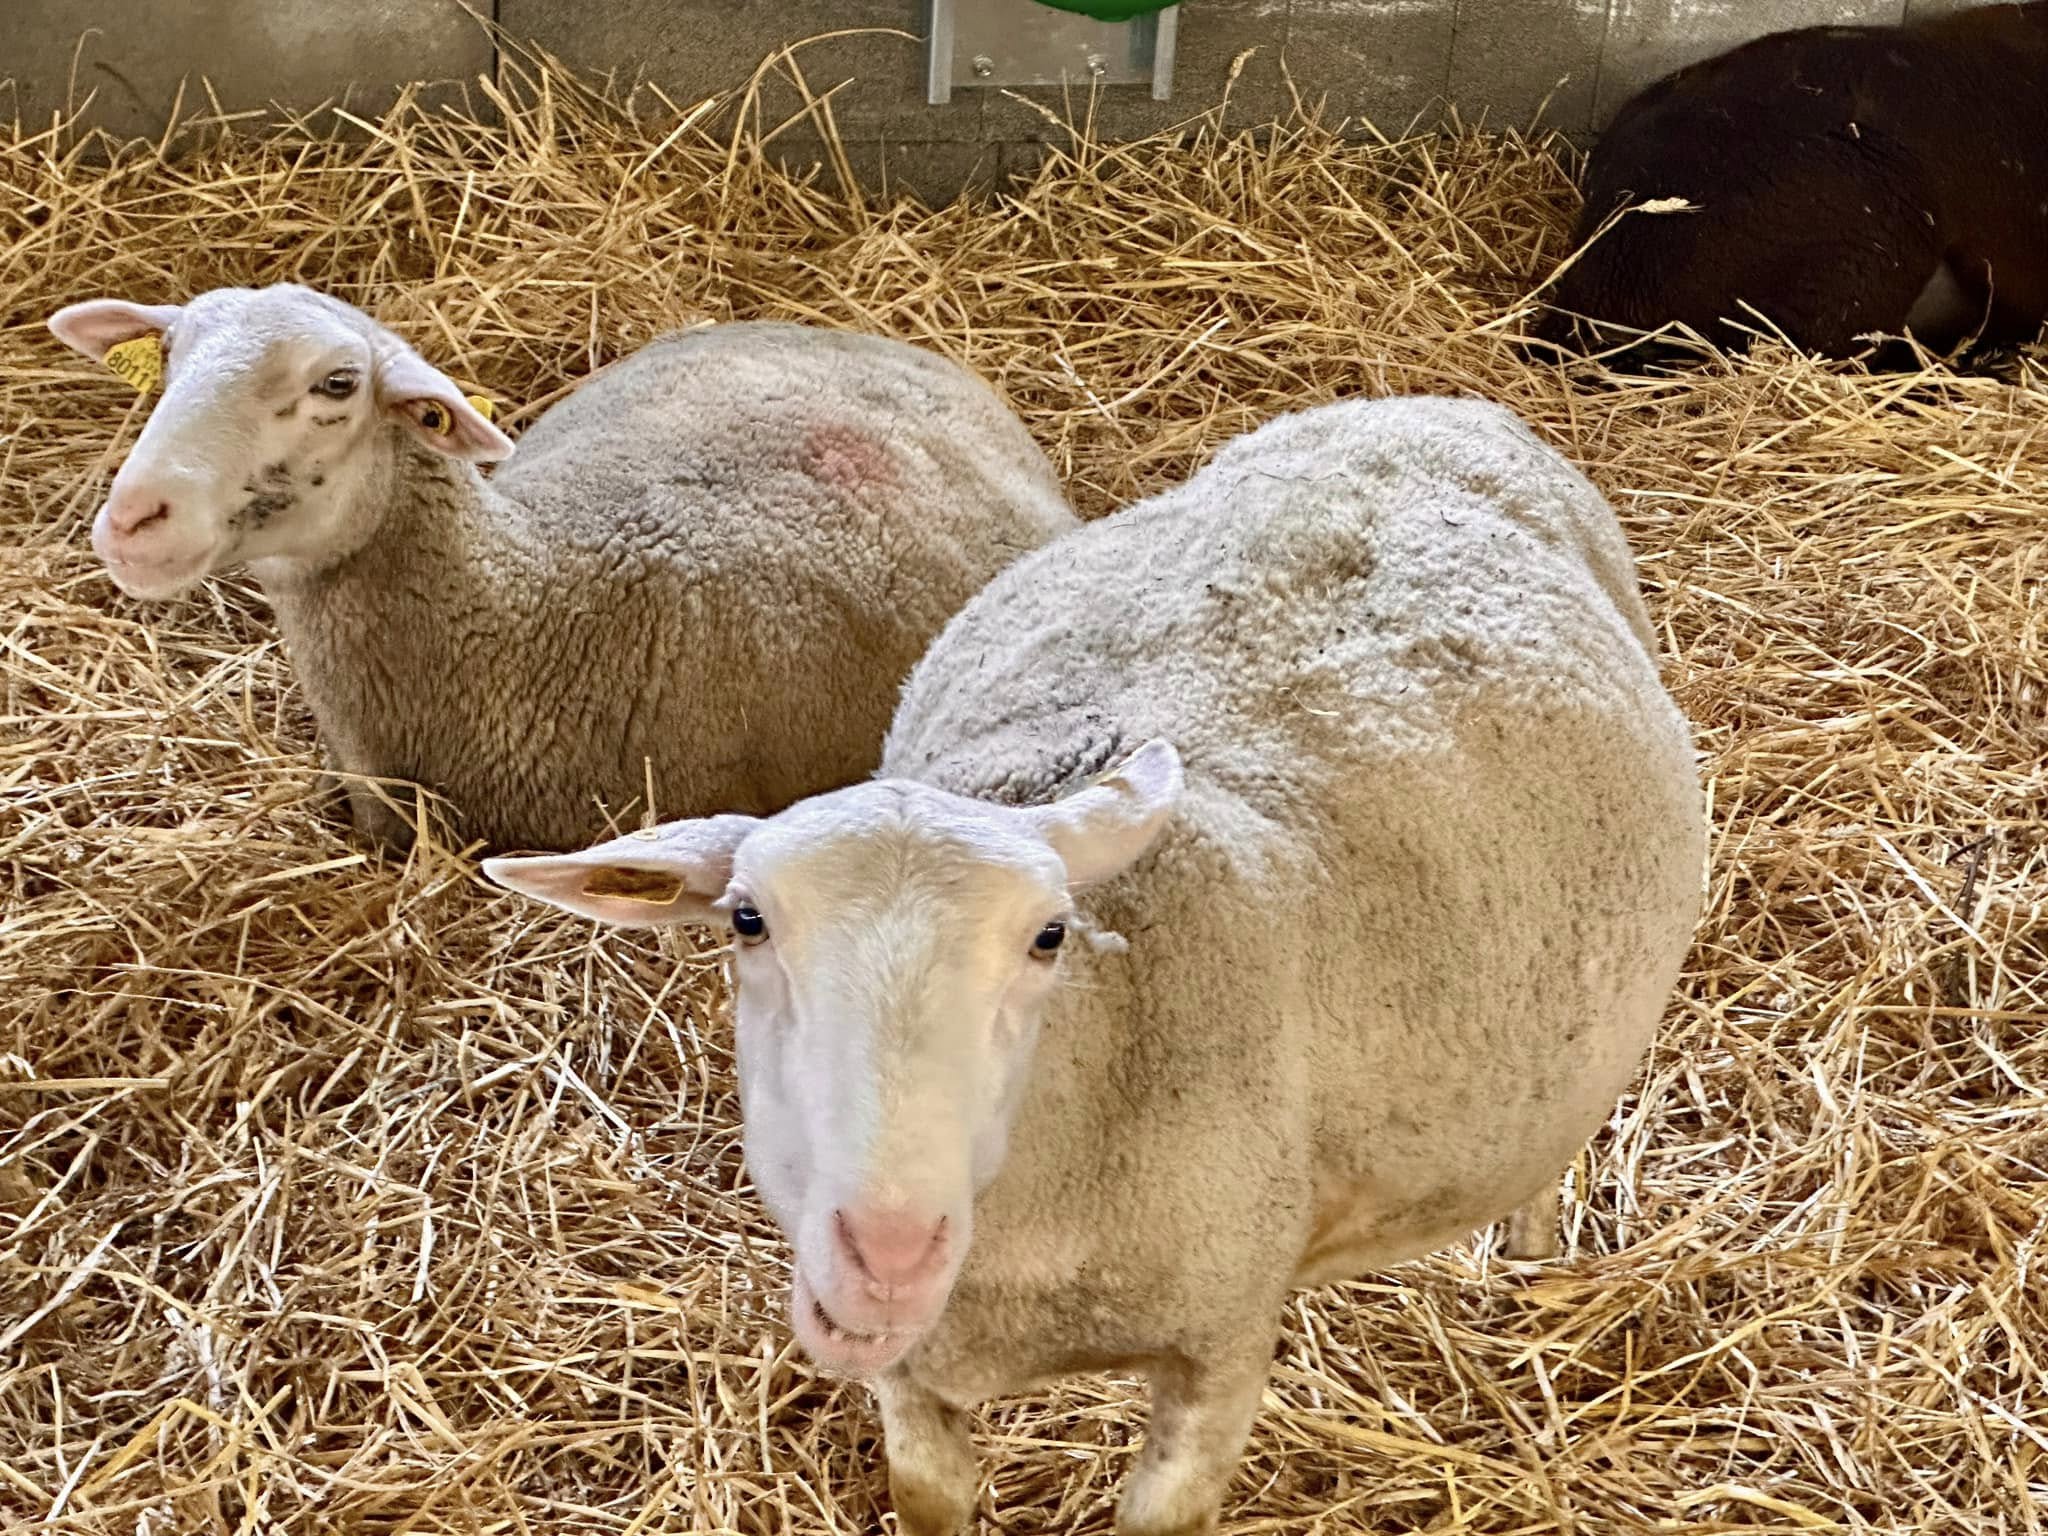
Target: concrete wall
132, 56
1390, 61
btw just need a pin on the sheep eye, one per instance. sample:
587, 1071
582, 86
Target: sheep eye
749, 925
1049, 940
338, 385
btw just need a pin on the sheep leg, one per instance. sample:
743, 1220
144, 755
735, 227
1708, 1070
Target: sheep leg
378, 816
932, 1476
373, 819
1532, 1231
1201, 1415
330, 789
378, 813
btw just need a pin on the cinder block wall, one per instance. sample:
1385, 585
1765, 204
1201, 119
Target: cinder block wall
1393, 62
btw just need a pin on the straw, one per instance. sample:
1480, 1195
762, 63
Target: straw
344, 1196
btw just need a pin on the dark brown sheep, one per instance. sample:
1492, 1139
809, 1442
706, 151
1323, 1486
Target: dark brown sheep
1846, 181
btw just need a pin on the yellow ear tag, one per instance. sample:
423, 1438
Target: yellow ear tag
140, 361
437, 418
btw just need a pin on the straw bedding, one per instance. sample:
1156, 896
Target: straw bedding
340, 1196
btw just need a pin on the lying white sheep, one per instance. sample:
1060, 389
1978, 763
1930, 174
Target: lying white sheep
707, 572
1403, 901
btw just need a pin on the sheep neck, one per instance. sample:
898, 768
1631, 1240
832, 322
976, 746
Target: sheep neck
390, 633
420, 534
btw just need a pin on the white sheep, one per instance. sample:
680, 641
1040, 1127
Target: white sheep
705, 574
1399, 908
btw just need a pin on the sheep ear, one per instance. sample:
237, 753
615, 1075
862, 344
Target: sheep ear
429, 405
668, 874
98, 324
1102, 830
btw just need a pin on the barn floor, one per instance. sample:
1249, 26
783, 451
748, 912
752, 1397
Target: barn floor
337, 1196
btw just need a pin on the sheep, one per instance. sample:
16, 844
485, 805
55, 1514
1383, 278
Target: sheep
1275, 880
700, 583
1839, 183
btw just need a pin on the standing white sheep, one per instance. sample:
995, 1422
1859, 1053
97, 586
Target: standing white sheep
1404, 899
706, 573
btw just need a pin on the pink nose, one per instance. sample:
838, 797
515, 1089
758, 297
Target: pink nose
892, 1249
134, 508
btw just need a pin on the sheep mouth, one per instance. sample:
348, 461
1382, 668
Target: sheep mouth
155, 578
836, 1347
148, 576
840, 1335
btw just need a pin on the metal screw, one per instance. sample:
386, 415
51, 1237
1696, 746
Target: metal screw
1098, 66
984, 66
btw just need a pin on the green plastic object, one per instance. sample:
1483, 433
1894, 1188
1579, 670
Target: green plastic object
1109, 10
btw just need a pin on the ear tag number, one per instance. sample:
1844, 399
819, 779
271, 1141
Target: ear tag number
139, 360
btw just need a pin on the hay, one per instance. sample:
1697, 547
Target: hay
344, 1197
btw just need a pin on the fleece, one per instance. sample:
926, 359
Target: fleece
702, 578
1842, 181
1413, 924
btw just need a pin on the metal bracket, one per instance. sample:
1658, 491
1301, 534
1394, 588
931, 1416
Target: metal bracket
1020, 42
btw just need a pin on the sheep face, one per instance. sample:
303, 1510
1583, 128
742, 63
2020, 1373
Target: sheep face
271, 439
896, 948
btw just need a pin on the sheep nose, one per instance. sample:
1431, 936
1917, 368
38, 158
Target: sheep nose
134, 508
892, 1249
